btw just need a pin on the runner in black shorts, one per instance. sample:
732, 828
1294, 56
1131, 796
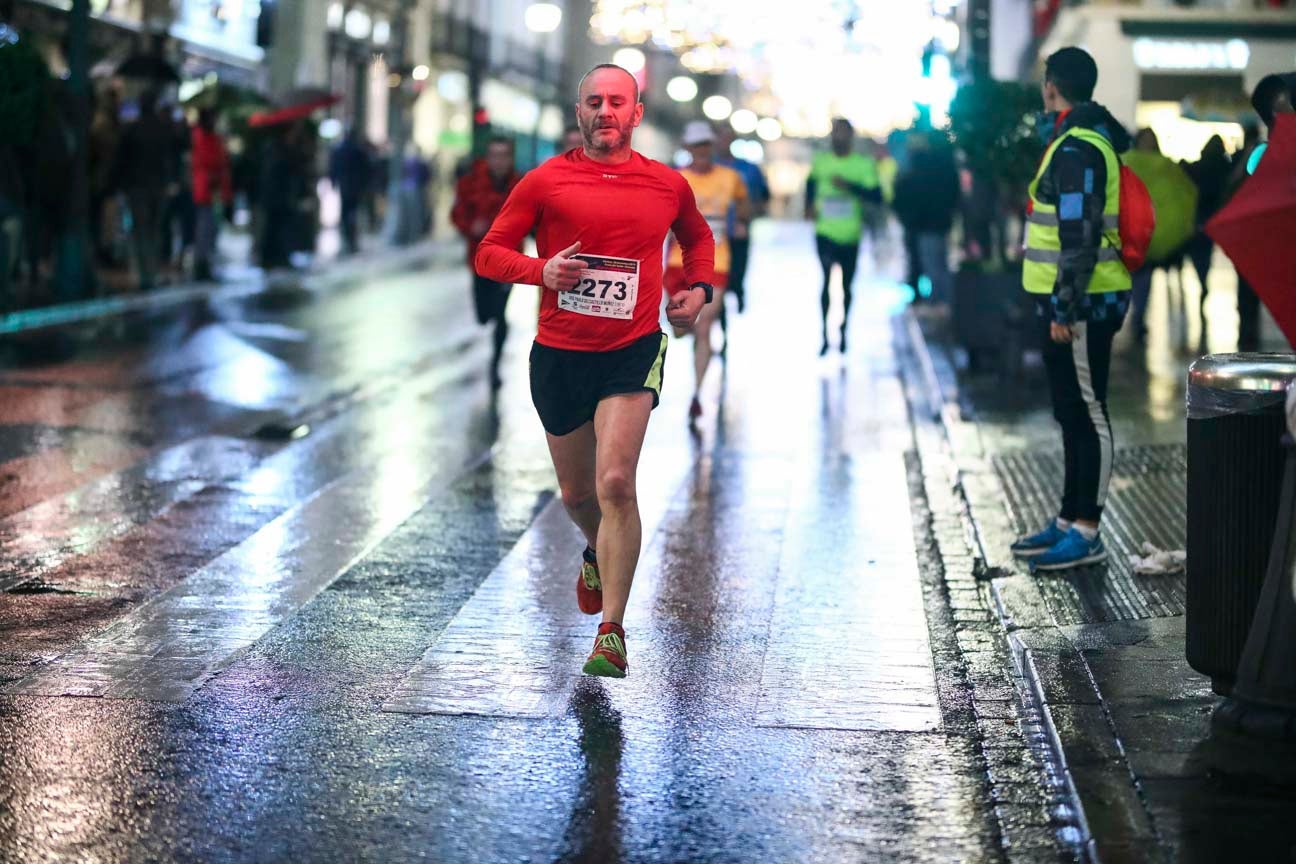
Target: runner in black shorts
600, 215
567, 388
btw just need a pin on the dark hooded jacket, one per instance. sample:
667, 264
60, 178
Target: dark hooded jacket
1075, 182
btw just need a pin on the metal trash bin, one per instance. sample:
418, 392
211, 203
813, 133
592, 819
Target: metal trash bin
1235, 468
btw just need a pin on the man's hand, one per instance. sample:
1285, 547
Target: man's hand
479, 228
1061, 333
840, 183
683, 309
740, 230
562, 272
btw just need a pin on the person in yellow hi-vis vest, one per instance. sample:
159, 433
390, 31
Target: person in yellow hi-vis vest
840, 185
1073, 267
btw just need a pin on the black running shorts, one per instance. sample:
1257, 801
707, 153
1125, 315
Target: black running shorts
566, 386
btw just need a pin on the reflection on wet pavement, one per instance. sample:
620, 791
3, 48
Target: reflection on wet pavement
379, 658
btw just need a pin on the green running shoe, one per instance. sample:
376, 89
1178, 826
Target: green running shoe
608, 659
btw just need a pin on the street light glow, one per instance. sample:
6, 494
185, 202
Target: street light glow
806, 57
453, 86
717, 108
543, 17
769, 129
630, 59
682, 88
356, 24
743, 121
420, 73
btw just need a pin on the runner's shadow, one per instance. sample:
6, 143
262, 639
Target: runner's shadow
594, 830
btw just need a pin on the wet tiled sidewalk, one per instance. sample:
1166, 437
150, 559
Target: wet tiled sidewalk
1147, 503
1102, 647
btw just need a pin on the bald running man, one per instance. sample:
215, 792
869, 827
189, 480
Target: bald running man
601, 213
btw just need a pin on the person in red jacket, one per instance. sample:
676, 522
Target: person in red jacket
211, 175
479, 196
600, 215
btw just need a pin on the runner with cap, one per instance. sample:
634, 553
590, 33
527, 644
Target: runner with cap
600, 215
718, 189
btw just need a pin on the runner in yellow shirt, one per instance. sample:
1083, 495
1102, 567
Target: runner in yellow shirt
717, 189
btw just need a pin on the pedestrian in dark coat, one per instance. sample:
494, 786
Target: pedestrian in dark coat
147, 148
287, 190
349, 172
926, 199
479, 195
1211, 174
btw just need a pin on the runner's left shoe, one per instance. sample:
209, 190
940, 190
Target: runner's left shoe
608, 659
589, 588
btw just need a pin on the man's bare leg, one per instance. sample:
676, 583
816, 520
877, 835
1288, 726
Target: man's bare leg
619, 426
702, 337
573, 460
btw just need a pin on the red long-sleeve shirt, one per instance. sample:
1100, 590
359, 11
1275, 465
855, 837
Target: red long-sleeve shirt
479, 196
622, 211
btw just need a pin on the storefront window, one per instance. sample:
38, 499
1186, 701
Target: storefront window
1180, 137
228, 25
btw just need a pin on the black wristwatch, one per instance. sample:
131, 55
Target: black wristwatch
706, 287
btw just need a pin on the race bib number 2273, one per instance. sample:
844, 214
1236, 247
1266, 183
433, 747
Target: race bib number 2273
608, 288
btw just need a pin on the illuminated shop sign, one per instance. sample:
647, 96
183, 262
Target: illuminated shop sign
1183, 54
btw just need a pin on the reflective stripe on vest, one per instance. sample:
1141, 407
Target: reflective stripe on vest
1053, 256
1110, 223
1044, 247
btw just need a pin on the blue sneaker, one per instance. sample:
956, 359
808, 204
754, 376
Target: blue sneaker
1038, 544
1073, 550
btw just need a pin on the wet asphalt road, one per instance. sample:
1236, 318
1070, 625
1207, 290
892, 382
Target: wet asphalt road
362, 644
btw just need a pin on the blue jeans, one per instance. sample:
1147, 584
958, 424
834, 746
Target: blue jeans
933, 253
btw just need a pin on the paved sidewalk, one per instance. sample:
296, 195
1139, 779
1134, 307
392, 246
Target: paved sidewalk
1102, 649
240, 278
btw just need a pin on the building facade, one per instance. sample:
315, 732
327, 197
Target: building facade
1184, 72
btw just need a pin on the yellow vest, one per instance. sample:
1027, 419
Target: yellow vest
1044, 248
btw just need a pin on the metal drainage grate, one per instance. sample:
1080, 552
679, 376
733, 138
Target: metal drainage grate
1147, 503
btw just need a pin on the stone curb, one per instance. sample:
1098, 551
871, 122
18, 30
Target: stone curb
986, 634
1098, 770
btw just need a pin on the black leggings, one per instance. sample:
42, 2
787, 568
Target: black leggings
1077, 375
845, 256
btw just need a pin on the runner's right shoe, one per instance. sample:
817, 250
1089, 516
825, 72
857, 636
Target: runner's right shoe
608, 659
589, 588
1073, 550
1040, 542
